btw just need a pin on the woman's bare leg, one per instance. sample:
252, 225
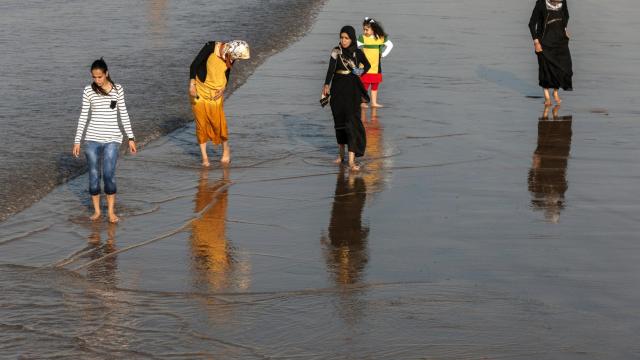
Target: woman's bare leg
374, 99
547, 97
111, 208
352, 161
556, 96
226, 153
545, 112
95, 199
340, 158
203, 151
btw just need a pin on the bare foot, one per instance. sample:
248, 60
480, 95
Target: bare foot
377, 105
95, 216
205, 163
557, 99
226, 160
364, 105
547, 102
354, 166
339, 160
113, 218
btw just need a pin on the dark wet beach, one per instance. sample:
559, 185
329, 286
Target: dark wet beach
481, 228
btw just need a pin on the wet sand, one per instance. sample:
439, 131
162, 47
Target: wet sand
481, 228
37, 127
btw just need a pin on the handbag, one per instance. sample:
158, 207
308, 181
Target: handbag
325, 100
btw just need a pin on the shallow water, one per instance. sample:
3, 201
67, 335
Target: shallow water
480, 227
48, 46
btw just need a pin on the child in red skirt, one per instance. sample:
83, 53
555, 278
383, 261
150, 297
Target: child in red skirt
375, 45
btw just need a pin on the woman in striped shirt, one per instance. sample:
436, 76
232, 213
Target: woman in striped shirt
103, 136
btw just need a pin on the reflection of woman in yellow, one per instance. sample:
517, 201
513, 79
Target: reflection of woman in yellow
374, 177
212, 254
209, 74
548, 174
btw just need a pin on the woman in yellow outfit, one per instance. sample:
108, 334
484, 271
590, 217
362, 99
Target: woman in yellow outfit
209, 73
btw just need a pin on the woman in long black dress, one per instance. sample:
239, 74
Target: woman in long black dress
347, 93
548, 26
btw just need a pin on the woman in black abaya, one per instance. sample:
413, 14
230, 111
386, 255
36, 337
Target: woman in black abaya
548, 26
347, 93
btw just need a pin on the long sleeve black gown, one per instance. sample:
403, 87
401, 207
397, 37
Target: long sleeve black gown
347, 93
555, 69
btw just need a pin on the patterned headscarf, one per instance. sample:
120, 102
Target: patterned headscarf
554, 4
237, 49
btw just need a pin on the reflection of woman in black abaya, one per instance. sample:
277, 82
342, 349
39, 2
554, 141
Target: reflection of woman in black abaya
548, 174
347, 93
347, 246
548, 26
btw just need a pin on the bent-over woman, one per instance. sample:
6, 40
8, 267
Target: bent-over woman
209, 74
346, 64
103, 137
548, 26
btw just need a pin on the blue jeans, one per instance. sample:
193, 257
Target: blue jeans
105, 154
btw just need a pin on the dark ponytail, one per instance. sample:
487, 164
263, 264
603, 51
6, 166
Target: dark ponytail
378, 31
100, 64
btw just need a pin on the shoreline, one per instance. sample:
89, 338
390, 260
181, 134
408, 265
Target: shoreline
67, 168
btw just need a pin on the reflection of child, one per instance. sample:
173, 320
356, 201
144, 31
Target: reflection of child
375, 45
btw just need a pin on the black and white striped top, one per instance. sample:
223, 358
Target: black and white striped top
103, 126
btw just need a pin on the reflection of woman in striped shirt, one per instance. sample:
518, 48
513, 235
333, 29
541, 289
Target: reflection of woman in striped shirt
103, 136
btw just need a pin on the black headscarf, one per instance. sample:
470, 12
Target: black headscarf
350, 51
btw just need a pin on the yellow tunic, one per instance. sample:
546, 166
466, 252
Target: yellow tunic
211, 123
372, 50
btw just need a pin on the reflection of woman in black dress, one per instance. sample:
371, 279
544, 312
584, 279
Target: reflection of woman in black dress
346, 251
347, 93
548, 26
548, 173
